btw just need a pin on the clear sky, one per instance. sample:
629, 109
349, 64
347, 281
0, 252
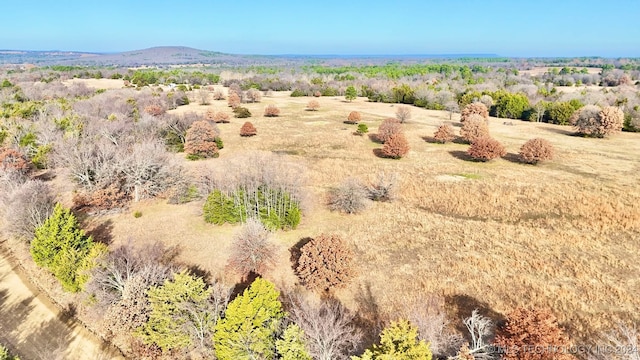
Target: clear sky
505, 27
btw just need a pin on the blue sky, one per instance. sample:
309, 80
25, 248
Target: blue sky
505, 27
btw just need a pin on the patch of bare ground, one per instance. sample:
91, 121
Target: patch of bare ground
563, 234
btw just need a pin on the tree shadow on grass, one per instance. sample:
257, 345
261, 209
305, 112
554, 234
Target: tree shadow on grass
374, 137
461, 307
461, 155
296, 252
562, 131
513, 157
369, 317
102, 232
379, 153
244, 284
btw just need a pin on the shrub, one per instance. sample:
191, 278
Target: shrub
317, 94
221, 117
511, 106
384, 188
485, 149
350, 197
353, 118
351, 93
527, 329
137, 214
13, 160
218, 95
474, 127
200, 140
271, 111
535, 151
477, 108
403, 114
248, 129
362, 129
297, 93
444, 134
398, 341
252, 250
559, 112
326, 262
253, 95
234, 100
241, 112
313, 105
27, 207
593, 121
396, 146
387, 128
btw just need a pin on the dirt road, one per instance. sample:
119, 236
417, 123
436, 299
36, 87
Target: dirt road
32, 327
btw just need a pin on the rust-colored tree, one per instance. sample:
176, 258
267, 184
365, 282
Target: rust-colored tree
444, 134
326, 262
476, 108
317, 94
271, 111
13, 160
248, 129
221, 117
155, 110
532, 334
313, 105
592, 121
485, 149
354, 117
403, 114
234, 100
535, 151
388, 127
200, 140
474, 127
396, 147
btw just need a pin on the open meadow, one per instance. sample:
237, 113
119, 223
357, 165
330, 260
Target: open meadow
493, 236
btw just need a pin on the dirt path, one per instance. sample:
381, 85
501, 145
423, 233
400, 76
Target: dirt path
32, 327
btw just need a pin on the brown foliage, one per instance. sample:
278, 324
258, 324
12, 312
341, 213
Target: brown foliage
590, 120
444, 134
271, 111
532, 334
200, 140
325, 263
253, 95
396, 146
252, 250
221, 117
155, 110
477, 108
535, 151
388, 127
474, 127
354, 117
248, 129
110, 197
486, 148
317, 94
313, 105
234, 100
13, 160
403, 114
218, 95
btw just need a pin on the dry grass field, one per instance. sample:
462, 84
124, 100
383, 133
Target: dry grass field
493, 236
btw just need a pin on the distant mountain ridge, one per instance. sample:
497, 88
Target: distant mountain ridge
182, 55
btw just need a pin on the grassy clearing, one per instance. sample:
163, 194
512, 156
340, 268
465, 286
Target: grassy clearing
492, 235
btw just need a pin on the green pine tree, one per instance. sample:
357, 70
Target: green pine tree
251, 322
351, 93
399, 341
173, 308
61, 246
291, 346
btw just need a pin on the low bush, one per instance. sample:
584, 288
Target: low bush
388, 127
476, 108
271, 111
350, 197
595, 122
313, 105
535, 151
485, 149
353, 118
241, 112
362, 129
248, 129
444, 134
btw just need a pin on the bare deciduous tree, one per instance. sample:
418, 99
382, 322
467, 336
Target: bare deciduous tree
313, 105
328, 329
252, 249
26, 207
350, 197
403, 114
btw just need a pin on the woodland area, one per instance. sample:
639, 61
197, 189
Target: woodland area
440, 209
